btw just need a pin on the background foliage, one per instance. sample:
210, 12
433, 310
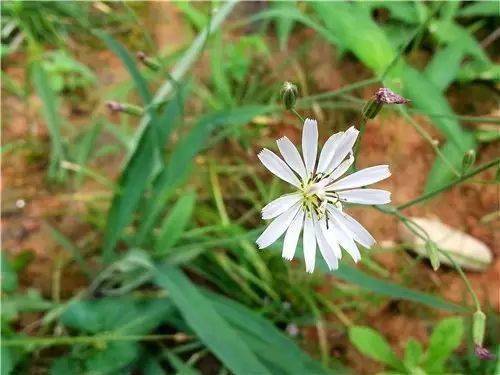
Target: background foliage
172, 281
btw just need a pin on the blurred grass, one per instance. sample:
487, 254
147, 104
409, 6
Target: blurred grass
178, 280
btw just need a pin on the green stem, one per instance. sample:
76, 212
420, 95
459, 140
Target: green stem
297, 114
342, 90
71, 340
464, 177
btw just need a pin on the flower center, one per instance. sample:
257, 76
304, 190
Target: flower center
315, 198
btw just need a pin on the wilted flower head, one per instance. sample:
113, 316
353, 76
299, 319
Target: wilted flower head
483, 353
387, 96
317, 205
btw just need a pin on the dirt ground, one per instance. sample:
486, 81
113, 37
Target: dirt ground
388, 139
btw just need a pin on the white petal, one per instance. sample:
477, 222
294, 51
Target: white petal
292, 236
328, 151
277, 227
292, 156
365, 196
325, 249
310, 144
346, 242
278, 167
309, 244
279, 205
331, 239
361, 178
342, 168
343, 148
360, 234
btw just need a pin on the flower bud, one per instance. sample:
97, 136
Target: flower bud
130, 109
432, 252
289, 95
478, 327
148, 61
468, 159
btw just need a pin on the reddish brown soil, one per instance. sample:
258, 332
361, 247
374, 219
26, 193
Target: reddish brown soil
388, 139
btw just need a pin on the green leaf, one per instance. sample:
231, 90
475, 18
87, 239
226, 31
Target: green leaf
180, 367
373, 345
129, 63
66, 365
219, 74
266, 341
52, 119
175, 223
445, 64
180, 159
133, 317
388, 288
413, 354
112, 358
352, 24
211, 328
74, 251
9, 359
137, 172
479, 9
445, 338
284, 25
9, 276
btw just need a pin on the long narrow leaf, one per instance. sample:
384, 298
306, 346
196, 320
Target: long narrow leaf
53, 120
212, 329
135, 177
129, 63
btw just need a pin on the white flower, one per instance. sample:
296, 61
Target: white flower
316, 206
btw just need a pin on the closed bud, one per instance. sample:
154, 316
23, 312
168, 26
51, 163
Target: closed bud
147, 61
468, 159
432, 252
478, 327
125, 108
289, 95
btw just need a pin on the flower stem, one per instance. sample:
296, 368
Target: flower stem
297, 114
464, 177
71, 340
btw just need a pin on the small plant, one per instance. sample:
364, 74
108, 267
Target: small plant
445, 339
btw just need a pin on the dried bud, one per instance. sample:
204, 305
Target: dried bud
468, 159
114, 106
483, 353
289, 95
147, 61
125, 108
478, 327
387, 96
432, 252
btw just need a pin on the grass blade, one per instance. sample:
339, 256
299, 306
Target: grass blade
135, 177
175, 223
129, 63
212, 329
52, 119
